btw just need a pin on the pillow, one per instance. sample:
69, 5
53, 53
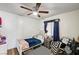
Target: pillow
65, 40
23, 44
40, 37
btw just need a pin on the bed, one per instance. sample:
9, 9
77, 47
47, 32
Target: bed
29, 43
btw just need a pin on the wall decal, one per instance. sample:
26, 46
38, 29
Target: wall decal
2, 40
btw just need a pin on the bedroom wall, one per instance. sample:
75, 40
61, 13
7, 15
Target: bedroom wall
28, 27
17, 27
69, 23
9, 28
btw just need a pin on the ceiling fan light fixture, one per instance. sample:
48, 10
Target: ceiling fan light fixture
35, 13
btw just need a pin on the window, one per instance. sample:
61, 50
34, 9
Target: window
50, 26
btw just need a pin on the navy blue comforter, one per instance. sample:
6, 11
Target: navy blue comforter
33, 41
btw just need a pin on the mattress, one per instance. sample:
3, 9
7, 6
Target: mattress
33, 41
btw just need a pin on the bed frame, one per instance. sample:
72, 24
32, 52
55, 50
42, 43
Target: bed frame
20, 50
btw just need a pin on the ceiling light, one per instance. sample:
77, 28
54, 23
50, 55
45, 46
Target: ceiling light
35, 12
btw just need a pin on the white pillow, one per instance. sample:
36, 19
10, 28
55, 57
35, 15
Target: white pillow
40, 37
65, 40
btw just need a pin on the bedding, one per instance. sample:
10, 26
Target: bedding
23, 44
28, 43
33, 41
41, 38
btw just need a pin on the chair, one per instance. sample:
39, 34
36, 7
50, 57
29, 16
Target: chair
55, 47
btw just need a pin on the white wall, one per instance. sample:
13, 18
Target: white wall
28, 27
69, 23
9, 28
15, 27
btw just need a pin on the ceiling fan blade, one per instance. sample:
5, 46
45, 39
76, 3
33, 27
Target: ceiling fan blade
37, 6
43, 11
38, 15
26, 8
29, 14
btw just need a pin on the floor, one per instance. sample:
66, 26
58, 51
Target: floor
13, 51
40, 51
37, 51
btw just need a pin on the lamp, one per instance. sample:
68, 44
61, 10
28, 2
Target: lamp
35, 12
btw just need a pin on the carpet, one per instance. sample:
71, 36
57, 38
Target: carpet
39, 51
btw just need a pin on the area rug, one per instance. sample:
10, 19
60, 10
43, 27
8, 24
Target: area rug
39, 51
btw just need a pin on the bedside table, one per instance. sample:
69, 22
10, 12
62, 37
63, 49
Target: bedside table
47, 42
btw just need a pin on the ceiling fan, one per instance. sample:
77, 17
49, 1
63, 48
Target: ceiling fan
35, 10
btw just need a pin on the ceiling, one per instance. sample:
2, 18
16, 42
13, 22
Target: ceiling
53, 8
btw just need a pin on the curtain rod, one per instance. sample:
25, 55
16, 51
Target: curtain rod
52, 20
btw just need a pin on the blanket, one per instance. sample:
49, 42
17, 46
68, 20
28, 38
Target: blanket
33, 41
23, 44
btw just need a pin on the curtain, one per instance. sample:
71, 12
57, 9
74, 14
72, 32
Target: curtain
45, 27
56, 31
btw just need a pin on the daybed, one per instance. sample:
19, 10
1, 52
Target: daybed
29, 43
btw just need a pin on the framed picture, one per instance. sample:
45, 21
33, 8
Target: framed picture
0, 21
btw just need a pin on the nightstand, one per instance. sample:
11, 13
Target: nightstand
47, 42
